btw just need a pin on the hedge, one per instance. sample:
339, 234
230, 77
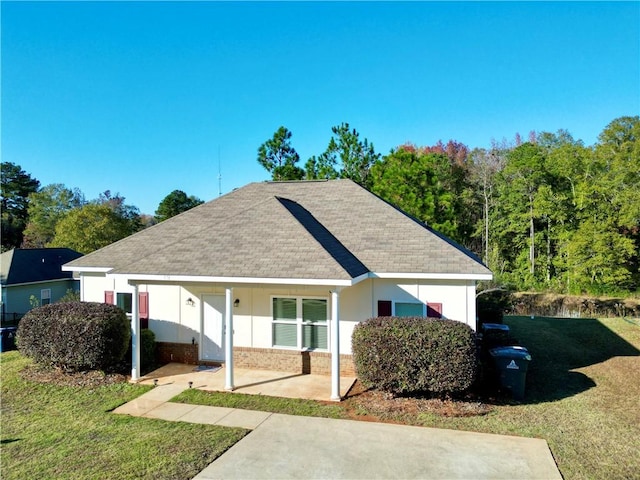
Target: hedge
415, 354
75, 335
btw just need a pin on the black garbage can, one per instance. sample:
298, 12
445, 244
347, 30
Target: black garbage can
8, 338
512, 364
495, 327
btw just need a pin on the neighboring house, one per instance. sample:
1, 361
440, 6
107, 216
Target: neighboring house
31, 277
289, 267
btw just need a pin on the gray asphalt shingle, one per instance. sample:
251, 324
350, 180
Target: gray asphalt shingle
306, 230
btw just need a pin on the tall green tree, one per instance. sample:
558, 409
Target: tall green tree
415, 182
47, 207
279, 158
17, 185
91, 227
516, 217
175, 203
346, 156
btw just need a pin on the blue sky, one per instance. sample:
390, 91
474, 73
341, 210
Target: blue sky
145, 98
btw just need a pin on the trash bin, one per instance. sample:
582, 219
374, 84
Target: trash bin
495, 327
8, 340
512, 364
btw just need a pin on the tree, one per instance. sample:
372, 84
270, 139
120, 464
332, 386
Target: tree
346, 156
17, 185
415, 182
485, 165
279, 158
91, 227
515, 219
47, 207
175, 203
128, 213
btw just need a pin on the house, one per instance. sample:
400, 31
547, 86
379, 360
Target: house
289, 268
31, 277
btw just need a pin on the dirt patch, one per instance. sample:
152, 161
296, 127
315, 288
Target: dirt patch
373, 405
57, 376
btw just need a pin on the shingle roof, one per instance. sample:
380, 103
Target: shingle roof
303, 230
35, 265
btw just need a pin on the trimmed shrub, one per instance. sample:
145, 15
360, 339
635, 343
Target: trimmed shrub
147, 350
491, 306
415, 354
75, 335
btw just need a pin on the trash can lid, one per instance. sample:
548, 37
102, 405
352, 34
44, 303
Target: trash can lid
495, 326
511, 352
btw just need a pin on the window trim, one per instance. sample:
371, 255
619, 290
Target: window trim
299, 322
115, 299
44, 297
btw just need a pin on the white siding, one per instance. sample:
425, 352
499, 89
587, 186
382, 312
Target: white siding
173, 319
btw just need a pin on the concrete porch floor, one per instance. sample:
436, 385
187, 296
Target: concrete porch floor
252, 382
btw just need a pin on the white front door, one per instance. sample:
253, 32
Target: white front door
212, 328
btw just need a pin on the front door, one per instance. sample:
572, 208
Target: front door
212, 328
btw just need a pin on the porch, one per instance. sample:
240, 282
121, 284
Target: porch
252, 382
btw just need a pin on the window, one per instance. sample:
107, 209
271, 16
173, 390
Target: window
409, 309
45, 296
123, 300
300, 323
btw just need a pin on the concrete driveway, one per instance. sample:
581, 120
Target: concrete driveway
284, 447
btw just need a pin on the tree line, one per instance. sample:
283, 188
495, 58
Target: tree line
58, 216
546, 214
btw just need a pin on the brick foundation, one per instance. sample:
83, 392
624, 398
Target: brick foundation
177, 352
318, 363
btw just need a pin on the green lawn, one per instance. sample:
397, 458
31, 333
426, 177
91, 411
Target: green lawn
53, 432
582, 395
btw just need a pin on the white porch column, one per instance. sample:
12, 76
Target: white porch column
471, 305
335, 345
135, 335
228, 339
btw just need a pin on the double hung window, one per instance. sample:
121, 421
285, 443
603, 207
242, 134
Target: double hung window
45, 296
300, 323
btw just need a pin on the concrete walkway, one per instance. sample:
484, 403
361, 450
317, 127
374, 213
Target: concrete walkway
286, 446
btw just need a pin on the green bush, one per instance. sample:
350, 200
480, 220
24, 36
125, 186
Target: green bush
147, 350
491, 306
415, 354
75, 335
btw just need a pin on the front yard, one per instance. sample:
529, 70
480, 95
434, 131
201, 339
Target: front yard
51, 431
582, 395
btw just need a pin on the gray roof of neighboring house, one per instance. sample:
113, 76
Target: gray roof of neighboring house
304, 230
35, 265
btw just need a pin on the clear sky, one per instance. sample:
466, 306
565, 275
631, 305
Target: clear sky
145, 98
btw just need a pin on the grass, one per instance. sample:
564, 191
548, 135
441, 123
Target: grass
69, 433
583, 387
263, 403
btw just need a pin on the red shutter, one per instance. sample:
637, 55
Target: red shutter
434, 310
109, 297
384, 308
143, 305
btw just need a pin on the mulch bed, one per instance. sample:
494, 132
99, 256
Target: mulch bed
57, 376
381, 405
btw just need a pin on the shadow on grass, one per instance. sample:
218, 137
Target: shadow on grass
558, 346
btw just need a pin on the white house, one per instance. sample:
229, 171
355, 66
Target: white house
289, 268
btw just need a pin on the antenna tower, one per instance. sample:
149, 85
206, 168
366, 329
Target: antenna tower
219, 174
